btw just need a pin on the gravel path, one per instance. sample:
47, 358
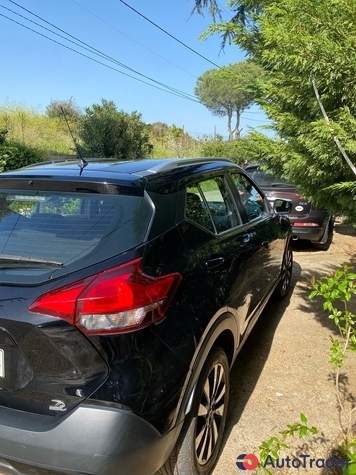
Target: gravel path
283, 369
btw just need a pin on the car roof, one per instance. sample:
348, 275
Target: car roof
108, 168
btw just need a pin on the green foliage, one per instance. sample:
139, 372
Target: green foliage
217, 148
297, 42
55, 110
16, 155
172, 141
229, 91
108, 132
272, 447
337, 291
34, 129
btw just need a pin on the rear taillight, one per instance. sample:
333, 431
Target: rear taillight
308, 225
120, 299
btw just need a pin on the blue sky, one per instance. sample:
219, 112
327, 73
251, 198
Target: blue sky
36, 70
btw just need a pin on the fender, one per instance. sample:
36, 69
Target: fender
223, 320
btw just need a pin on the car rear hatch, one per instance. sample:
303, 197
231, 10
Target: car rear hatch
278, 188
54, 233
300, 207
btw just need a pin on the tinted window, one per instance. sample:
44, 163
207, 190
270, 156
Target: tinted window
251, 199
74, 230
196, 210
209, 204
263, 178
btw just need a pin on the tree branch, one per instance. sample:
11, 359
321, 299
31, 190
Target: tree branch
336, 140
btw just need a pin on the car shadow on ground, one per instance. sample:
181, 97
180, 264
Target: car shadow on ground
252, 358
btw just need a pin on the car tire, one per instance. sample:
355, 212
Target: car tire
283, 287
325, 246
204, 425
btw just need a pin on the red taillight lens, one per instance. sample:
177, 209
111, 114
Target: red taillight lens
308, 225
117, 300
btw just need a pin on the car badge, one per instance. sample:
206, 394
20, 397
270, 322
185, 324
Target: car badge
58, 406
299, 208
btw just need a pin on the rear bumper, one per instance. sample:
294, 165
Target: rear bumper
89, 440
310, 234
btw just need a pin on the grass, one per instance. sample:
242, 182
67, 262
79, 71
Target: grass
35, 129
51, 136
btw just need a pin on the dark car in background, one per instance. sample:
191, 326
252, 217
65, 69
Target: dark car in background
127, 290
308, 222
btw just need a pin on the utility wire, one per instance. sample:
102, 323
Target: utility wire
92, 50
99, 62
223, 8
167, 33
132, 39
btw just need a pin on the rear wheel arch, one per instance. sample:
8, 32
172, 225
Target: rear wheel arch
199, 442
223, 332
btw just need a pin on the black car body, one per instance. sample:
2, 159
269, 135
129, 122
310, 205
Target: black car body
308, 222
127, 290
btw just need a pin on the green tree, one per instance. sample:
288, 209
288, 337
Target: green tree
108, 132
236, 150
55, 109
229, 91
298, 43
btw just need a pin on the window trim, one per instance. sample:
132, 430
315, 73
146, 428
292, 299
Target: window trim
224, 175
238, 200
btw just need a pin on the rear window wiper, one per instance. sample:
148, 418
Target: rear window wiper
7, 262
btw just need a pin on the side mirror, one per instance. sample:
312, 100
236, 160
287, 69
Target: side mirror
282, 206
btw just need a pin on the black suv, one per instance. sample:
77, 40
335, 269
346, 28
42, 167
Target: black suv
308, 222
127, 290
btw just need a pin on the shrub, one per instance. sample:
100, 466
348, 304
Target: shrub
14, 155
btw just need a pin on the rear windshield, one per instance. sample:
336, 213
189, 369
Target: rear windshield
263, 178
46, 234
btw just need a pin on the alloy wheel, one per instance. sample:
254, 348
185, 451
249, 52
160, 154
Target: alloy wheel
286, 275
211, 413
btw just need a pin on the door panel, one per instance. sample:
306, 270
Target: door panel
257, 212
229, 252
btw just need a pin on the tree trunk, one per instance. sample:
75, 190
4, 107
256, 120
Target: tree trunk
237, 130
229, 119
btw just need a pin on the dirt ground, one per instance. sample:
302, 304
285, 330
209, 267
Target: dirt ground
283, 369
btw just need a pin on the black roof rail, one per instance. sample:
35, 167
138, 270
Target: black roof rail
182, 162
70, 160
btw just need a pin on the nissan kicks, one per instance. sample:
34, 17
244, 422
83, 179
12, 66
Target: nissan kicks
127, 290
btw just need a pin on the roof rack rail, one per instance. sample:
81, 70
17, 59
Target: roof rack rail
53, 160
181, 162
70, 160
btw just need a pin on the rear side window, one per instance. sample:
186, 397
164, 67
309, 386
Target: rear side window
209, 204
65, 231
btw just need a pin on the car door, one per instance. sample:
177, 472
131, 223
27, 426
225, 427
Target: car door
263, 227
226, 248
